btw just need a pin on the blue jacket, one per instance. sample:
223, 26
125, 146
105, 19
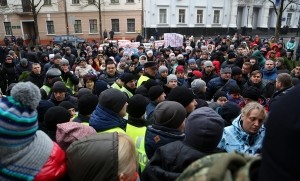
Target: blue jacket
216, 83
269, 74
157, 136
103, 119
236, 139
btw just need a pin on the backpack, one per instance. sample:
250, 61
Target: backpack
223, 167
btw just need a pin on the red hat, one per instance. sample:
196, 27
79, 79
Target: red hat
179, 68
197, 73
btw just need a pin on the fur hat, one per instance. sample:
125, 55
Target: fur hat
170, 114
225, 70
182, 95
18, 116
113, 100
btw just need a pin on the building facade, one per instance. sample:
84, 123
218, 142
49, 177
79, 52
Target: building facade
80, 17
207, 17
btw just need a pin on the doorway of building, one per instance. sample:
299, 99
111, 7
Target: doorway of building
28, 32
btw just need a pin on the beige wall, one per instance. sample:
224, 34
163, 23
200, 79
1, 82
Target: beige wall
60, 26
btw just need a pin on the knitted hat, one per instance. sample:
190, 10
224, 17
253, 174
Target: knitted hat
56, 115
150, 64
112, 99
69, 132
171, 77
162, 69
251, 92
169, 114
18, 117
87, 104
198, 85
154, 92
179, 68
127, 77
204, 129
197, 73
231, 55
150, 52
67, 105
182, 95
24, 61
225, 70
191, 61
236, 71
83, 91
43, 106
100, 86
208, 63
59, 87
137, 106
219, 94
53, 72
64, 62
229, 111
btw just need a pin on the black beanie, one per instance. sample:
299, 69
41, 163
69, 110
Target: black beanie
251, 92
87, 104
154, 92
170, 114
67, 104
229, 111
56, 115
236, 71
112, 99
59, 87
137, 106
182, 95
42, 108
219, 94
126, 77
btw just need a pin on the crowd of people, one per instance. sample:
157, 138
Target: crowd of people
124, 113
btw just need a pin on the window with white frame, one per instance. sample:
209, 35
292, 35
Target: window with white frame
114, 1
216, 17
75, 1
129, 1
162, 15
7, 27
77, 26
115, 25
50, 27
47, 2
288, 19
93, 26
200, 16
181, 17
130, 25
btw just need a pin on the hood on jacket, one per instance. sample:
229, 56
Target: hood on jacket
94, 158
204, 129
261, 59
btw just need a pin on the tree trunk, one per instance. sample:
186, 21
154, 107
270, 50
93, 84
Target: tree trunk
36, 29
100, 21
279, 20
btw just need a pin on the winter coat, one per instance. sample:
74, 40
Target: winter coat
94, 158
103, 119
216, 83
269, 74
157, 136
236, 139
42, 159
